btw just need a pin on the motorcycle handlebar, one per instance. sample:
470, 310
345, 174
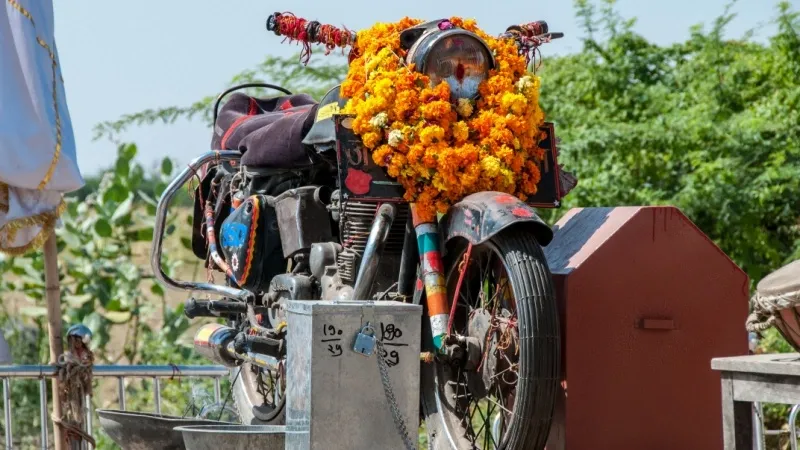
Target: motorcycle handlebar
312, 32
161, 220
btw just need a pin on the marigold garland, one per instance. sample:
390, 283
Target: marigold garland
438, 151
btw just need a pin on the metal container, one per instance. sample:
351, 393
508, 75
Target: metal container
145, 431
647, 300
233, 437
335, 399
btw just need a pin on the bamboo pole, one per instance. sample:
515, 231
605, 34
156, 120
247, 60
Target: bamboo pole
53, 295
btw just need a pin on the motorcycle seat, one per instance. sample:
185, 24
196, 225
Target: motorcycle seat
268, 131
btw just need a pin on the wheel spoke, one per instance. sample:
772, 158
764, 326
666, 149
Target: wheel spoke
481, 401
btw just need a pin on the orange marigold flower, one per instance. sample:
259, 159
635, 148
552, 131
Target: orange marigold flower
436, 157
436, 109
371, 139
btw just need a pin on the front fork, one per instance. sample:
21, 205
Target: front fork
432, 277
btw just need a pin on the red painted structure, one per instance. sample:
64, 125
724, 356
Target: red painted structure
646, 301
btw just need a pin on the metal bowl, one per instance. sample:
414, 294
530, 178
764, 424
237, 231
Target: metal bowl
235, 437
146, 431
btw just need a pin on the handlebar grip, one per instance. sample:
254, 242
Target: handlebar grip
212, 308
536, 28
197, 308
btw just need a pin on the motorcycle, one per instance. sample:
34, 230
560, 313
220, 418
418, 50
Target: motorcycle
491, 338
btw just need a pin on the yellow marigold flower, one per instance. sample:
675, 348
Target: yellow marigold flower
464, 107
460, 132
505, 154
490, 166
507, 176
384, 88
431, 134
515, 103
438, 182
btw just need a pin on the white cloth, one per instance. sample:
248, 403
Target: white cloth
38, 163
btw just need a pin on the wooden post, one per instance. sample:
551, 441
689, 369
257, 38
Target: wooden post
53, 296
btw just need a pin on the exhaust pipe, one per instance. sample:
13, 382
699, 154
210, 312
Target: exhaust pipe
231, 347
372, 252
212, 340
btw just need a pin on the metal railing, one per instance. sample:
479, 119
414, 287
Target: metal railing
760, 432
120, 372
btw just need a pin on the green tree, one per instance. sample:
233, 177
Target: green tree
708, 125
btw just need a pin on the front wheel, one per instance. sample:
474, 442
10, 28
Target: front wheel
259, 393
501, 395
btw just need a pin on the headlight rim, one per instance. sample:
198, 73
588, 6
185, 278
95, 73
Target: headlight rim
418, 52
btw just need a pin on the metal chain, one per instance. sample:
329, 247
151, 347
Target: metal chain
402, 430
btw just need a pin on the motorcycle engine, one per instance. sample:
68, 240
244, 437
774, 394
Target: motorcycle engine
336, 265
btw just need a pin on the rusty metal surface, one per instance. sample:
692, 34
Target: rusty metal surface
480, 216
647, 300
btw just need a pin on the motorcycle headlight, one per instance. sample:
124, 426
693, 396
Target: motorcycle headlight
457, 56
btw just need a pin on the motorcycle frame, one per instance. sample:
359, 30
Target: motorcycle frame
476, 218
191, 170
370, 261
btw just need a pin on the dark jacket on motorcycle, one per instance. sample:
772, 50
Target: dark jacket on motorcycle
269, 132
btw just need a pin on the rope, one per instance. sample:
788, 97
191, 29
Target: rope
298, 29
774, 303
462, 269
763, 312
212, 245
75, 378
529, 37
228, 397
758, 323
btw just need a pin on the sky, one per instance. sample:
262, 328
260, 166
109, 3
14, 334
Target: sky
119, 57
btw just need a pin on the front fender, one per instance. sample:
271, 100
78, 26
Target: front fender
480, 216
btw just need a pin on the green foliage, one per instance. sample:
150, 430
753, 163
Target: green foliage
28, 344
106, 286
708, 125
